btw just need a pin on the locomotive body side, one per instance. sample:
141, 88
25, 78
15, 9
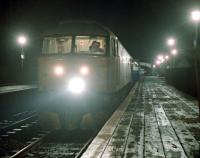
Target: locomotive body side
119, 67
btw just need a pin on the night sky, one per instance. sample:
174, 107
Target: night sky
141, 25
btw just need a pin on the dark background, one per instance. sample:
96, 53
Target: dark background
141, 25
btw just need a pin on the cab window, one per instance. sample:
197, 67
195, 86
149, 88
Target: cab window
113, 47
90, 44
57, 45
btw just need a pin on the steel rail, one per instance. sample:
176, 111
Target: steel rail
83, 149
17, 123
26, 149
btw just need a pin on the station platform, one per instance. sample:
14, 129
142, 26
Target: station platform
15, 88
155, 120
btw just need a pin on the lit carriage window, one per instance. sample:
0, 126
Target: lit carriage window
90, 44
54, 45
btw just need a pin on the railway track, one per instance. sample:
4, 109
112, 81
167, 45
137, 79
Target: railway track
23, 137
59, 143
15, 134
17, 119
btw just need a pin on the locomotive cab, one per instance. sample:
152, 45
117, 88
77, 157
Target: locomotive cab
73, 63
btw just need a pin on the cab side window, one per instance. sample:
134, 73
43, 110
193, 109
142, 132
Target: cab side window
113, 47
116, 47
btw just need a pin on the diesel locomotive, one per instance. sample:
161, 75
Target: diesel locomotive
83, 57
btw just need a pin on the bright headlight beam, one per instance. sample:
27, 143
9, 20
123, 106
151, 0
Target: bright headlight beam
58, 70
84, 70
76, 85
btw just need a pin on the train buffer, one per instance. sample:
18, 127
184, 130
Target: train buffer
155, 120
15, 88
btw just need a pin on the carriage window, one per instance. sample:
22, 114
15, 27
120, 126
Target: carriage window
90, 45
60, 45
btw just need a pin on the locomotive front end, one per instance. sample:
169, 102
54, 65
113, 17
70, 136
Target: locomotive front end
73, 64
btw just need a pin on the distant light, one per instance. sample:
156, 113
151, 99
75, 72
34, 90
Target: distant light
160, 57
171, 41
158, 62
166, 57
84, 70
162, 60
154, 66
22, 56
195, 15
58, 70
174, 51
22, 40
76, 85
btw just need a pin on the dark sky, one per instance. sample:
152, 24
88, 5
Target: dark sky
141, 25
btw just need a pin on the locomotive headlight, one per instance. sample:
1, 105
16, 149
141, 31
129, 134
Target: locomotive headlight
58, 70
76, 85
84, 70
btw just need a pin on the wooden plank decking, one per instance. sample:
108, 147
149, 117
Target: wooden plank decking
154, 121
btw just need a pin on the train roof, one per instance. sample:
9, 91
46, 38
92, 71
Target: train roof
79, 28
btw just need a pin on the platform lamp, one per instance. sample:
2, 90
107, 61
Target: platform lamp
174, 51
195, 17
22, 42
171, 41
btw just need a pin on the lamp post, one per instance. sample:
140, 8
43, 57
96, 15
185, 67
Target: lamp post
171, 43
195, 16
22, 41
174, 53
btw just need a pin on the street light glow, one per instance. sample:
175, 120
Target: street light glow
154, 66
22, 40
160, 57
22, 56
166, 57
195, 15
158, 62
162, 60
174, 51
171, 41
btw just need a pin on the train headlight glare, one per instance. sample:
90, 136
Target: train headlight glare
84, 70
76, 85
58, 70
